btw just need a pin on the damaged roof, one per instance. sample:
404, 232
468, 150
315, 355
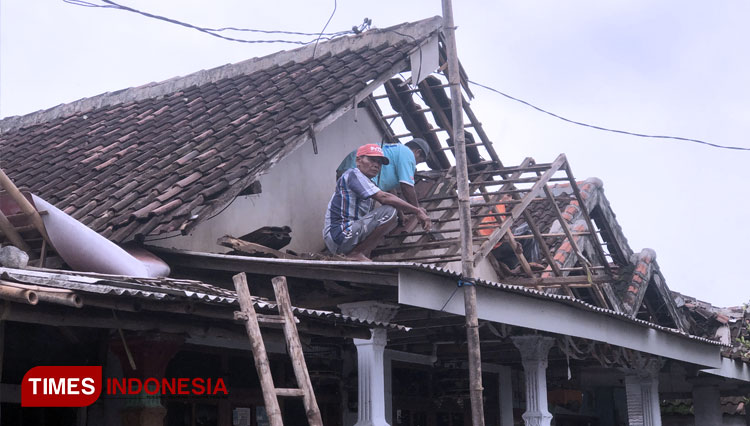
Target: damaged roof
385, 275
83, 290
163, 157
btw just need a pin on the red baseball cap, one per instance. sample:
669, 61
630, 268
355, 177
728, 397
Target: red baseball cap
372, 150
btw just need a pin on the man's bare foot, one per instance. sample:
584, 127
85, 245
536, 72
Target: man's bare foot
358, 257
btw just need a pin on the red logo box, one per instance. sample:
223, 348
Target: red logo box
61, 386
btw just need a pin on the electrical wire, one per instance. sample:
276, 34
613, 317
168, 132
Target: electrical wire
335, 5
623, 132
109, 4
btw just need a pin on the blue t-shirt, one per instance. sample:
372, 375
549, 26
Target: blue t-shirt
351, 200
401, 167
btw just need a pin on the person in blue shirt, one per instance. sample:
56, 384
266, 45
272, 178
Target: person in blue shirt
399, 172
353, 227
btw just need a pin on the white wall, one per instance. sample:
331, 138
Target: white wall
295, 192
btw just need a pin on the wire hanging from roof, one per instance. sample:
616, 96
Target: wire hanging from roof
109, 4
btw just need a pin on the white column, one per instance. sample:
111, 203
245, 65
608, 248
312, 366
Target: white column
534, 350
706, 402
371, 382
642, 393
370, 366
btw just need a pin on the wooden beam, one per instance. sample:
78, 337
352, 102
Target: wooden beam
251, 248
555, 281
24, 204
527, 161
12, 234
263, 266
495, 237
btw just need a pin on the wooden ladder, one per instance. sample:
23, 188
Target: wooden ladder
285, 317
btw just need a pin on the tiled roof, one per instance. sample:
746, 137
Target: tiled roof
162, 157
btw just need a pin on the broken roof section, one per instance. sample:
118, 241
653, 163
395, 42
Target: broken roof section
165, 156
564, 232
40, 294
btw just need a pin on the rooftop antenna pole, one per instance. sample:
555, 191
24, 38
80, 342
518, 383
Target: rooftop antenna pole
467, 248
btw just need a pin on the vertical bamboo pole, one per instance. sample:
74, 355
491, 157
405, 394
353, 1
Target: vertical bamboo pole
467, 249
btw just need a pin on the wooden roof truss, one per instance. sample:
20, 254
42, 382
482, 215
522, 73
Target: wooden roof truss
586, 274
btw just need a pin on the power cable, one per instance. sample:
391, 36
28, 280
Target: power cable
335, 4
109, 4
640, 135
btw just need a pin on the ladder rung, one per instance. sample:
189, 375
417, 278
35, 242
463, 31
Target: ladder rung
263, 318
289, 392
270, 319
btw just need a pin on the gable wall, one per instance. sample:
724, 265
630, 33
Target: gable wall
295, 192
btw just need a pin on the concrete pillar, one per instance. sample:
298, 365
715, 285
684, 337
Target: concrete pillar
642, 394
370, 366
534, 351
706, 401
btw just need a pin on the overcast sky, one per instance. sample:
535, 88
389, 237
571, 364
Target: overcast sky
668, 68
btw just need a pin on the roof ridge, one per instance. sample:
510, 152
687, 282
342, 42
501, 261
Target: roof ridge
370, 38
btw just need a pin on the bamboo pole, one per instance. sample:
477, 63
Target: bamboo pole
25, 205
20, 295
467, 249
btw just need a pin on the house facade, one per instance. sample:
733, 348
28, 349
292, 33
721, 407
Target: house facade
575, 326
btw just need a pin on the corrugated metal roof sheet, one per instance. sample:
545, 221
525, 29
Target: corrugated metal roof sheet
393, 267
166, 289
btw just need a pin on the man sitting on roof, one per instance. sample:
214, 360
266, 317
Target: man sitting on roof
352, 227
400, 169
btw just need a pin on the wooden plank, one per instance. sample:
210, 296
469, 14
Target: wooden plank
295, 351
23, 203
503, 171
449, 186
262, 318
556, 281
516, 180
290, 392
231, 263
527, 161
12, 234
519, 254
251, 248
259, 350
495, 237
